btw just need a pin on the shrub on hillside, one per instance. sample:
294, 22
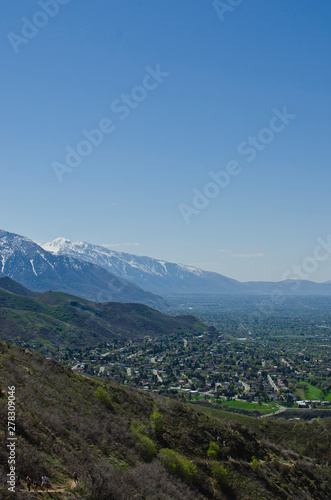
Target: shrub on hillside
179, 466
103, 396
150, 481
220, 474
255, 464
213, 450
143, 443
157, 424
145, 447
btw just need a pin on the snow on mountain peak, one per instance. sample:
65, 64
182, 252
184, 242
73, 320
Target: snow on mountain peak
155, 275
119, 262
58, 245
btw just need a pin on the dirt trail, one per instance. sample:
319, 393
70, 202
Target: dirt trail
70, 484
50, 490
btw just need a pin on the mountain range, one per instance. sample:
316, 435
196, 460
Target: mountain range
166, 278
96, 273
155, 275
35, 268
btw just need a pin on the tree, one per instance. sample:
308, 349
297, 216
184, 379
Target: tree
179, 466
143, 443
157, 423
220, 474
213, 450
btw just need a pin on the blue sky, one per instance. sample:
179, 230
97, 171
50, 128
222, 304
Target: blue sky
183, 89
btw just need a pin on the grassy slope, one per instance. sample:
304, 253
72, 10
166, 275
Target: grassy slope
255, 409
66, 422
58, 319
313, 392
312, 438
310, 392
12, 286
263, 408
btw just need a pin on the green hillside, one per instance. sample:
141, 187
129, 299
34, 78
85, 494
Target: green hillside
126, 444
12, 286
57, 320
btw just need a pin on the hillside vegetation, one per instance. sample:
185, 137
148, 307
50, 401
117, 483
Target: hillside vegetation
57, 319
126, 444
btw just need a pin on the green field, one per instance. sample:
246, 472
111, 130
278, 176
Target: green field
233, 417
264, 407
310, 392
313, 392
328, 396
244, 405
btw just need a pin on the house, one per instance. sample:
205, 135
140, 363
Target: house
303, 404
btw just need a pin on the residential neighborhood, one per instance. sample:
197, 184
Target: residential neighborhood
208, 367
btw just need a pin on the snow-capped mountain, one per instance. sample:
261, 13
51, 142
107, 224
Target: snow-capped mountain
97, 273
166, 278
157, 276
37, 269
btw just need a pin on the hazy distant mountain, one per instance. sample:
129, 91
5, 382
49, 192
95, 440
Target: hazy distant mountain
26, 262
166, 278
287, 287
157, 276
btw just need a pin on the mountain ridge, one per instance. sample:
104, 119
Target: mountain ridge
167, 278
35, 268
156, 275
56, 318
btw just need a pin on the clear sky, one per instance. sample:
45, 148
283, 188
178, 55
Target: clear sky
178, 89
